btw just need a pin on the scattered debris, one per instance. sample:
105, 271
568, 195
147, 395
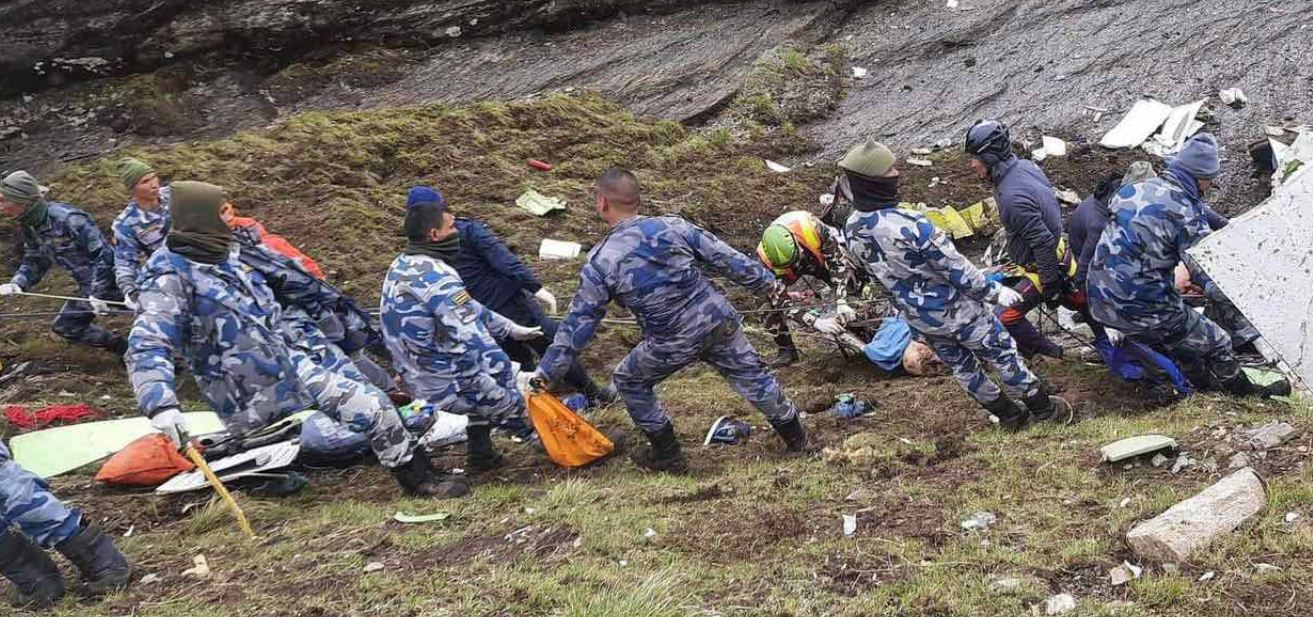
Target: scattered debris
922, 151
1207, 576
537, 204
374, 566
860, 494
849, 524
19, 416
649, 533
1136, 446
1180, 124
150, 578
1126, 501
1233, 97
1144, 118
1124, 573
1060, 604
728, 431
1270, 435
537, 164
1266, 567
776, 167
200, 569
1292, 517
952, 4
1194, 523
979, 521
1274, 131
918, 162
1158, 460
411, 519
1054, 146
1067, 196
1182, 463
1006, 586
848, 406
559, 249
859, 72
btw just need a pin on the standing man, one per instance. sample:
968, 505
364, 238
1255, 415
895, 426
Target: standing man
443, 341
199, 302
652, 266
1131, 280
944, 297
44, 522
140, 228
57, 233
798, 244
494, 276
1041, 266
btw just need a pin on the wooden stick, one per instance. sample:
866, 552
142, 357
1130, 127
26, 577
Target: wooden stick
195, 456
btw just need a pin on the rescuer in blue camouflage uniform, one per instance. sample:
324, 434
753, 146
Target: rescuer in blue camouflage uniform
56, 233
443, 342
246, 354
43, 522
652, 266
141, 227
1131, 280
944, 297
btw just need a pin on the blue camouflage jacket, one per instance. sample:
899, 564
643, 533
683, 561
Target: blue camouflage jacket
225, 321
137, 233
1130, 281
437, 334
921, 268
652, 266
71, 239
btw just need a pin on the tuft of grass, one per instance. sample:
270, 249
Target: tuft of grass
659, 594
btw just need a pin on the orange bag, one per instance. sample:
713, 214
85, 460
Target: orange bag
569, 439
148, 461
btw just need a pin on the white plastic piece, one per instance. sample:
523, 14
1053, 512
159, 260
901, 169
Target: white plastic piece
559, 249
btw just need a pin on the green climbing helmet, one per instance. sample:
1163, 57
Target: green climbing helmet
778, 247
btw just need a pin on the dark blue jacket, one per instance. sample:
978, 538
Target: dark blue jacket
1083, 233
493, 275
1030, 213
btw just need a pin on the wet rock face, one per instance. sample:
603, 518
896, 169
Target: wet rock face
50, 42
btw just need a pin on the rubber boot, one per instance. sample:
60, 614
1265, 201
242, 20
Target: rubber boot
119, 346
480, 455
37, 583
665, 454
793, 434
104, 569
1011, 416
418, 478
1046, 408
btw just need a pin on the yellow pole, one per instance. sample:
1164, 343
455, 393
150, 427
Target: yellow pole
227, 497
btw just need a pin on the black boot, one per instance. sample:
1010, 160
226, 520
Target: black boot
119, 346
418, 478
793, 434
665, 454
1011, 416
1232, 379
37, 583
1046, 408
104, 569
480, 455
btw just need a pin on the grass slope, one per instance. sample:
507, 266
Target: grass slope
750, 531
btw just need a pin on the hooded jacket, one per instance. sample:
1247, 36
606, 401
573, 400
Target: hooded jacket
1031, 215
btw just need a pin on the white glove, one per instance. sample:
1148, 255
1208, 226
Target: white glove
1115, 337
845, 313
521, 333
173, 424
548, 300
528, 382
1008, 297
829, 325
99, 307
10, 289
129, 302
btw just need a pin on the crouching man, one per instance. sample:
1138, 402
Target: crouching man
943, 296
198, 301
44, 522
442, 341
651, 265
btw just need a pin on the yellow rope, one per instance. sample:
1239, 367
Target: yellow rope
227, 497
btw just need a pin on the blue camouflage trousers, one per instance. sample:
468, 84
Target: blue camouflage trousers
75, 324
486, 399
26, 501
358, 405
1200, 347
984, 341
726, 348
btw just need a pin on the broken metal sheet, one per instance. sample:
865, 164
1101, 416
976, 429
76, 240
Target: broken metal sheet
1144, 118
1263, 262
253, 462
1135, 446
1179, 125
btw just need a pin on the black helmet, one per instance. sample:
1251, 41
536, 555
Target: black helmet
989, 141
